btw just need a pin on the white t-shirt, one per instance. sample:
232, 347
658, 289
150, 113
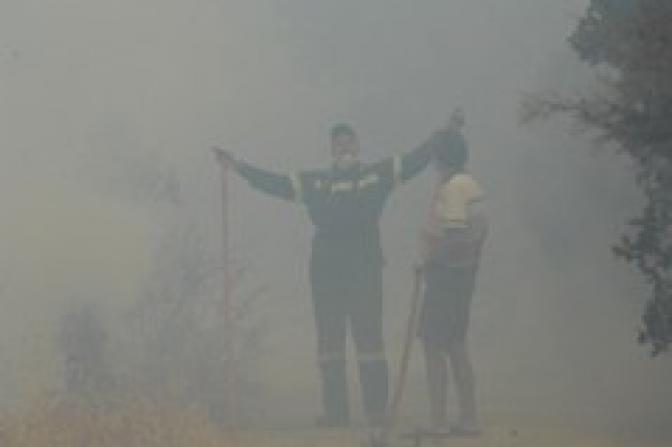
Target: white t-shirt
454, 201
453, 208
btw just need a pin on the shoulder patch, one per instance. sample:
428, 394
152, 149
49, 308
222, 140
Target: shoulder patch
342, 186
370, 179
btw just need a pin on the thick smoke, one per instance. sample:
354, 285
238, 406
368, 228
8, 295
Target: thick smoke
107, 110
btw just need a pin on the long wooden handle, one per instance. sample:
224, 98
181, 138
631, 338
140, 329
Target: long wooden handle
411, 325
231, 398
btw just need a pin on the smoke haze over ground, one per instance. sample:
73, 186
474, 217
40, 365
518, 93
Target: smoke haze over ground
107, 113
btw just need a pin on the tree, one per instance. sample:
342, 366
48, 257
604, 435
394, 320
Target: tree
629, 43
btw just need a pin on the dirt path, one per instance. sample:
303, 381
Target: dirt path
493, 437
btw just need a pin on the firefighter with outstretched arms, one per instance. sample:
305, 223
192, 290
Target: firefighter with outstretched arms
344, 202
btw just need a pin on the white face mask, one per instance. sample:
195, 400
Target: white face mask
346, 160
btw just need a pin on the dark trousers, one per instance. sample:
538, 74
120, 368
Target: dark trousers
342, 294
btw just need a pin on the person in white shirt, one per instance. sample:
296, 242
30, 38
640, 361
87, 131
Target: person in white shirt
451, 243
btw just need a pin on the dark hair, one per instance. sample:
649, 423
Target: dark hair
450, 149
342, 129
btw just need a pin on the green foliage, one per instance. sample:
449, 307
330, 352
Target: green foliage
630, 41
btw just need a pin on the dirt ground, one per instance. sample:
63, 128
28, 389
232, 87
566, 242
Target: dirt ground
137, 422
492, 437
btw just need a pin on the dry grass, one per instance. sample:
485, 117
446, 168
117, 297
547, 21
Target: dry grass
131, 423
139, 422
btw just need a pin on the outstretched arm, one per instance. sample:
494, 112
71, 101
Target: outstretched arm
412, 163
282, 186
403, 167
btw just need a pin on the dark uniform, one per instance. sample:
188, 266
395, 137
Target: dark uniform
346, 262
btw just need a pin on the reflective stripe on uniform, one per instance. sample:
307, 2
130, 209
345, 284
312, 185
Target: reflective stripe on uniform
396, 169
296, 186
370, 179
342, 186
